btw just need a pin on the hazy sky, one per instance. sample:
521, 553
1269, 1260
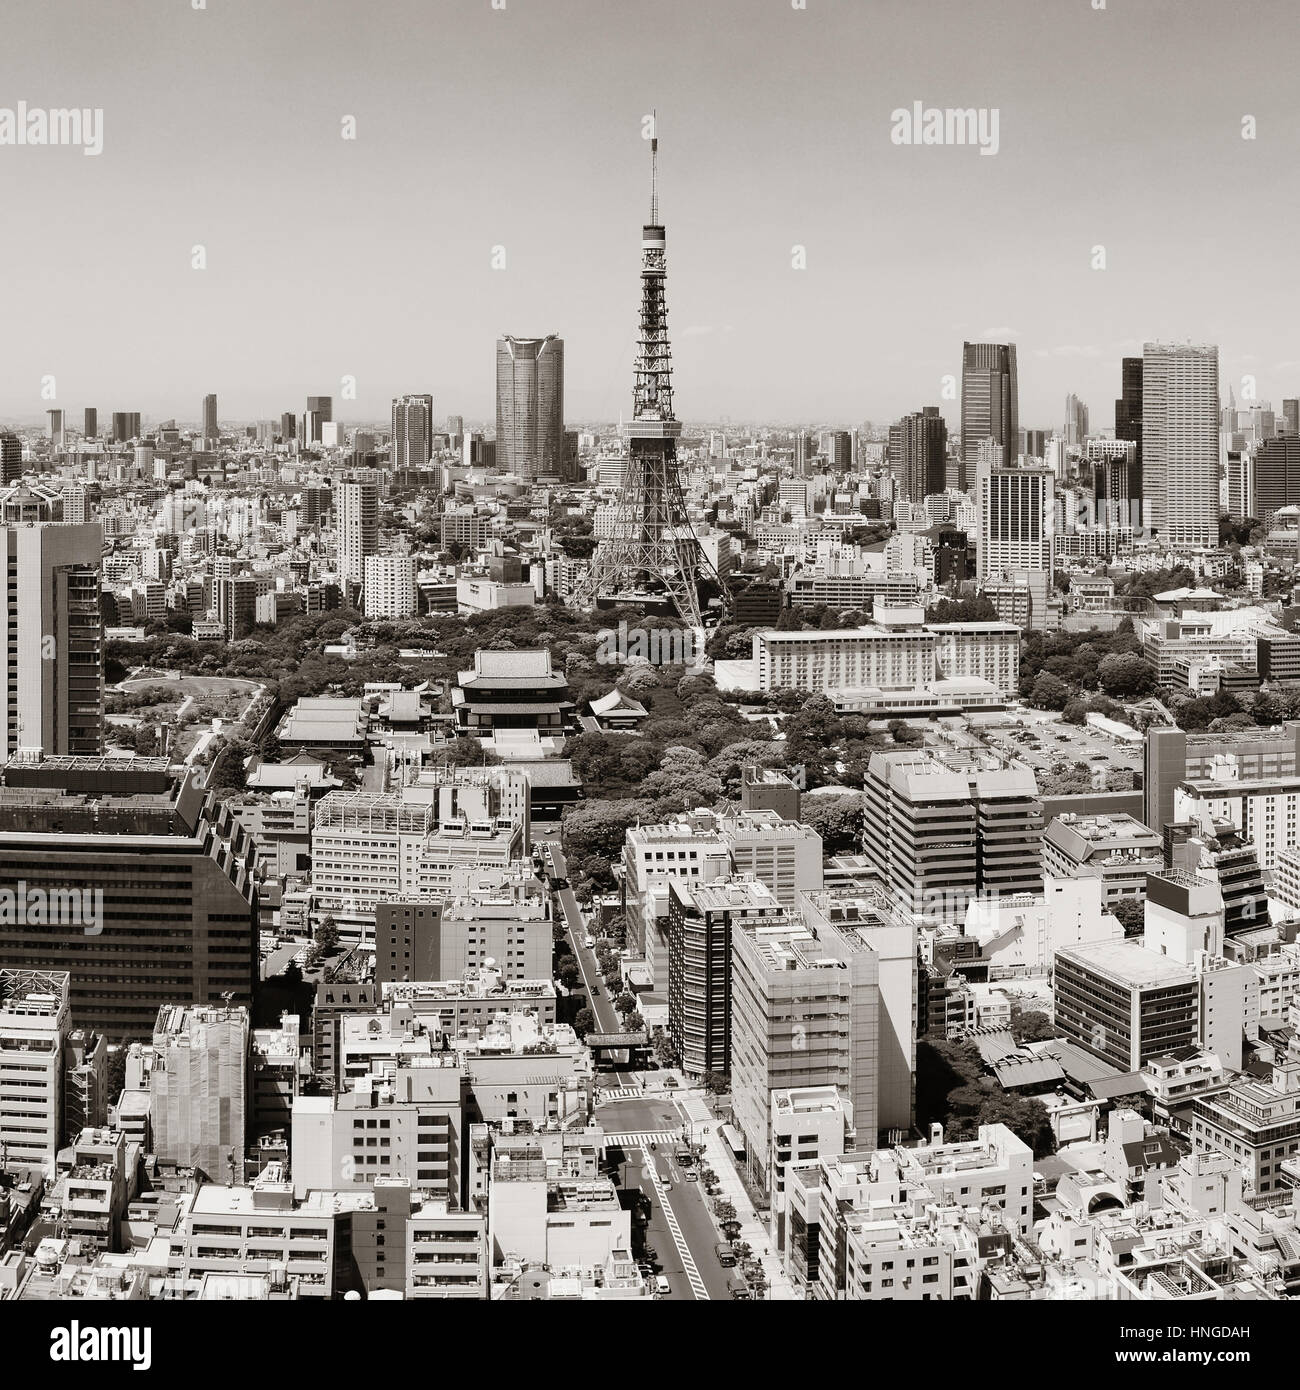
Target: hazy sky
522, 128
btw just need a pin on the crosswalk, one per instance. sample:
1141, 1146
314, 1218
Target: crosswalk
619, 1093
641, 1139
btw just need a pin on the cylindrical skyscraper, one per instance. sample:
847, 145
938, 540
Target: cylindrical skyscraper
530, 406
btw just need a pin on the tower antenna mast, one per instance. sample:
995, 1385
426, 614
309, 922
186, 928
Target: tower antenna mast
654, 169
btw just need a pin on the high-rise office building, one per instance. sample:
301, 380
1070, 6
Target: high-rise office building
1128, 422
320, 412
1114, 487
53, 693
1076, 422
177, 920
571, 463
1276, 476
210, 430
921, 467
1239, 474
839, 449
1034, 443
701, 920
11, 458
56, 428
412, 431
989, 408
91, 427
530, 406
288, 426
829, 1001
455, 432
1290, 425
1017, 513
126, 426
357, 511
943, 829
1180, 442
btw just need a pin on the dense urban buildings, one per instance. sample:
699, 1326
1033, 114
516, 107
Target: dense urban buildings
714, 828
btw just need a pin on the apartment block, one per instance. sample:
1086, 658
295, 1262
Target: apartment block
499, 915
1117, 849
1255, 1122
1124, 1003
701, 922
35, 1022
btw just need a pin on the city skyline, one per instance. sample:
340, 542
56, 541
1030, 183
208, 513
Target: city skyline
296, 276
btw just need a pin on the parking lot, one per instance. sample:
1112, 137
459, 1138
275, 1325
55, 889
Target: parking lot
1044, 740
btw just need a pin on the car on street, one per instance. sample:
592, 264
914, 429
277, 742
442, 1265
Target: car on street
691, 1175
662, 1286
595, 991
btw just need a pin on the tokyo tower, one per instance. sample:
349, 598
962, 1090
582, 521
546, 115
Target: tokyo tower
651, 559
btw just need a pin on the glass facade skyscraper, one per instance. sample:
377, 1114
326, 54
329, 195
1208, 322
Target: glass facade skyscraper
530, 406
989, 408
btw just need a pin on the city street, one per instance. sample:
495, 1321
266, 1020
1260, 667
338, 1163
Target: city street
680, 1230
686, 1238
600, 1004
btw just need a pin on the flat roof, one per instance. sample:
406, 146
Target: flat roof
1130, 962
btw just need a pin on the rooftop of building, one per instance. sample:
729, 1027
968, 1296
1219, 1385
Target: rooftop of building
1130, 963
476, 983
807, 1100
177, 1022
264, 1197
511, 669
699, 829
736, 893
787, 946
1098, 829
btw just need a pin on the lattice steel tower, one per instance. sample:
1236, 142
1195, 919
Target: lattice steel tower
651, 559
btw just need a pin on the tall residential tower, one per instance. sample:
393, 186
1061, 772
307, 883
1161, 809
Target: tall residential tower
412, 431
1180, 442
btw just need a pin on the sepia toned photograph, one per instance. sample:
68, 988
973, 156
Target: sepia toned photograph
652, 655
